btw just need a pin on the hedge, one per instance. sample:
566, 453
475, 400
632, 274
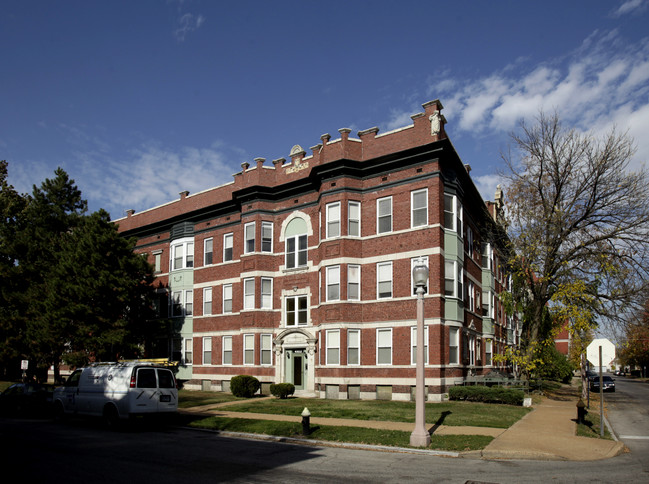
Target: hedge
244, 386
282, 390
479, 393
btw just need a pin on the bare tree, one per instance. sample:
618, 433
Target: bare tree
578, 223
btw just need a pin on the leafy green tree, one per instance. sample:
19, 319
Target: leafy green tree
71, 288
577, 221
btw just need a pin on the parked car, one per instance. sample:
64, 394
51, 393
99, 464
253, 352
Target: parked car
116, 391
33, 399
607, 382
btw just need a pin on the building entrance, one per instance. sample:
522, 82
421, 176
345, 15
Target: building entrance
296, 366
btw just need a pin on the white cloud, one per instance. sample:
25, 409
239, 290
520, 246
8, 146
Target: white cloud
486, 185
630, 6
188, 23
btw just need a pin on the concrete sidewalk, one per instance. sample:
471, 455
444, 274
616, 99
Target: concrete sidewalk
546, 433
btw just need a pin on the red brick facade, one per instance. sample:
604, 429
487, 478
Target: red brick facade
334, 317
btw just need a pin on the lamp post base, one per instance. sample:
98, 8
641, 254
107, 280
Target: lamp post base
419, 438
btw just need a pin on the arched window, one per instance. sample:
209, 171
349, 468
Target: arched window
295, 237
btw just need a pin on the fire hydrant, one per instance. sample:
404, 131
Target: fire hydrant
306, 421
581, 411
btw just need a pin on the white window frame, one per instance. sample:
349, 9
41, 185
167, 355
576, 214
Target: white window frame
382, 269
266, 226
469, 239
227, 296
188, 308
208, 242
455, 278
249, 293
207, 301
248, 349
333, 216
176, 305
188, 343
297, 252
418, 209
249, 237
354, 281
453, 213
226, 350
487, 256
454, 346
413, 345
379, 203
266, 349
354, 219
182, 254
296, 311
266, 293
333, 347
471, 296
354, 345
157, 262
333, 283
380, 344
472, 350
207, 350
228, 247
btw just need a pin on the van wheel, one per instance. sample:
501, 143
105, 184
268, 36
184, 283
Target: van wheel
59, 412
111, 417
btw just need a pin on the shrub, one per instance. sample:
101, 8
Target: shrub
244, 386
484, 394
282, 390
555, 366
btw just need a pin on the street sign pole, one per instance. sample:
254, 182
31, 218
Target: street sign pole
601, 396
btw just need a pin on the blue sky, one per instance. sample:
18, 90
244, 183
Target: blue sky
140, 100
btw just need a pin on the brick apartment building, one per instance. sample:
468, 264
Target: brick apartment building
301, 271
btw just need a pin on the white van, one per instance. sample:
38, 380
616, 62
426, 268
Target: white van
117, 391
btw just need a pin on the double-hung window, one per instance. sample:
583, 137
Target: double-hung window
248, 349
207, 350
227, 350
189, 351
266, 293
228, 240
333, 347
487, 256
384, 280
182, 255
488, 304
177, 303
353, 282
333, 283
249, 293
413, 345
189, 303
453, 279
454, 346
471, 296
384, 215
354, 219
296, 311
333, 219
384, 346
249, 238
207, 301
488, 352
266, 350
227, 298
267, 237
353, 346
453, 214
296, 251
208, 251
419, 205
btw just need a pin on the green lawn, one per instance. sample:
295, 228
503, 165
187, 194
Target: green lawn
190, 398
359, 435
446, 413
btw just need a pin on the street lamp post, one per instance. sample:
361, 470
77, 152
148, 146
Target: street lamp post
420, 436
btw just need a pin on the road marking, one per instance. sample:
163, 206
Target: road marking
636, 437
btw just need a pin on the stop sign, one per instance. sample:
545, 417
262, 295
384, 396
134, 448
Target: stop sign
608, 352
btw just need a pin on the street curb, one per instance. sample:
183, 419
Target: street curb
328, 443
